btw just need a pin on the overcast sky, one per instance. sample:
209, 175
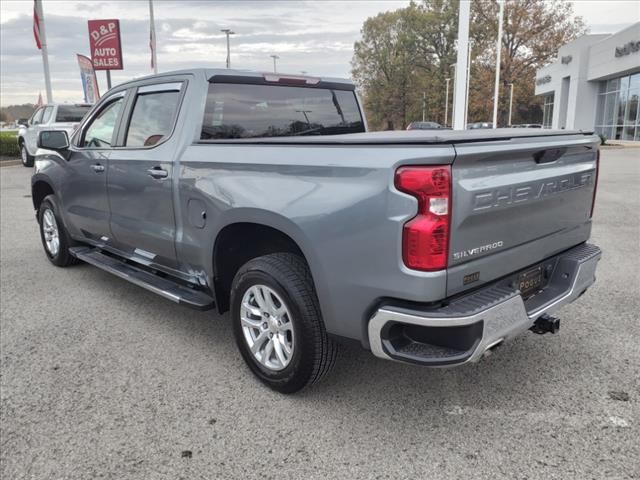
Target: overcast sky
314, 36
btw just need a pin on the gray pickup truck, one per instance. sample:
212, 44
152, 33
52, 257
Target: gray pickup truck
263, 194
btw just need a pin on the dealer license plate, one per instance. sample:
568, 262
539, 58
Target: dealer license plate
531, 281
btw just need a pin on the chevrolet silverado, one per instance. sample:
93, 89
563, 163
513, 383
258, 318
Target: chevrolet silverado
264, 195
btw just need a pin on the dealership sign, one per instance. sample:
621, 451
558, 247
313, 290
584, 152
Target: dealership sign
543, 80
104, 40
631, 47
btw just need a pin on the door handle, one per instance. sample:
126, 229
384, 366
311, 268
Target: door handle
157, 172
97, 168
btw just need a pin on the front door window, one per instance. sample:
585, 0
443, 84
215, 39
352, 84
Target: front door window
99, 133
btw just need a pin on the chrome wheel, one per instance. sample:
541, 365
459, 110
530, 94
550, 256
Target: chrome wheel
267, 328
23, 154
50, 232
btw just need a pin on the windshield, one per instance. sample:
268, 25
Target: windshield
253, 111
71, 113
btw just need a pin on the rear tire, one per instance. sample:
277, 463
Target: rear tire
301, 352
27, 160
55, 238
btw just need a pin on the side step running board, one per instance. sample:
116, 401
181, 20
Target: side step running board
162, 286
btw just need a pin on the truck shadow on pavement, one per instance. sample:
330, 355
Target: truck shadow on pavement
521, 375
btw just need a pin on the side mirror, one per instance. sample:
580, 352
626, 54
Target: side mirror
53, 140
23, 122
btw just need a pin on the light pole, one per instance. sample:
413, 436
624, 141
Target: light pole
466, 91
459, 90
446, 102
424, 104
496, 91
275, 57
510, 101
453, 99
228, 32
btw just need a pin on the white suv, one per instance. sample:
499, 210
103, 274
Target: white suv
63, 116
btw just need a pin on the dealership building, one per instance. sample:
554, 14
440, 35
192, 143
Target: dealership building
594, 84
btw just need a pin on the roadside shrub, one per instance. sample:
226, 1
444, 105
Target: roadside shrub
8, 145
603, 138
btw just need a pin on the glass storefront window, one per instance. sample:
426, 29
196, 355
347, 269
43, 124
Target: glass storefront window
622, 106
618, 108
613, 85
547, 111
624, 84
632, 108
628, 132
609, 107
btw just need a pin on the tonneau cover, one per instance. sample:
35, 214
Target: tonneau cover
418, 137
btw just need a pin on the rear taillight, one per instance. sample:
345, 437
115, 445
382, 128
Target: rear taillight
595, 185
425, 238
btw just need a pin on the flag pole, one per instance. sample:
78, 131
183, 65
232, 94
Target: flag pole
43, 47
152, 38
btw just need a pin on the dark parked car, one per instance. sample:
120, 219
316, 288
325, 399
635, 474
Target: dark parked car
424, 126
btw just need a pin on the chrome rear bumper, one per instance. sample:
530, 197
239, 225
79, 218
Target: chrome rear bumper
468, 326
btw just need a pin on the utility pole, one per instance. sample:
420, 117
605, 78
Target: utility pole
275, 57
227, 32
459, 97
446, 102
424, 105
496, 92
510, 102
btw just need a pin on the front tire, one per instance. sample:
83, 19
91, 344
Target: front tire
277, 323
27, 160
54, 236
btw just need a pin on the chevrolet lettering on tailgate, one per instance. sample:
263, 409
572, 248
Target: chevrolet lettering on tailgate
504, 196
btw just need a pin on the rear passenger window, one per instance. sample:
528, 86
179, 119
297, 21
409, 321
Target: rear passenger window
253, 111
153, 114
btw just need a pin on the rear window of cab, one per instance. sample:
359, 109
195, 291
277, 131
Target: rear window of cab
254, 111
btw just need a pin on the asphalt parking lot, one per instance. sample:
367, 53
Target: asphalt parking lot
101, 379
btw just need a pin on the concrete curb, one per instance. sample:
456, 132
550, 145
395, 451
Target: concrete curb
10, 163
613, 146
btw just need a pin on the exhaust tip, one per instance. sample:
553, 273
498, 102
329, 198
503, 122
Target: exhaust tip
491, 348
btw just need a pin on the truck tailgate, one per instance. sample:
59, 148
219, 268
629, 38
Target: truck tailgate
517, 202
